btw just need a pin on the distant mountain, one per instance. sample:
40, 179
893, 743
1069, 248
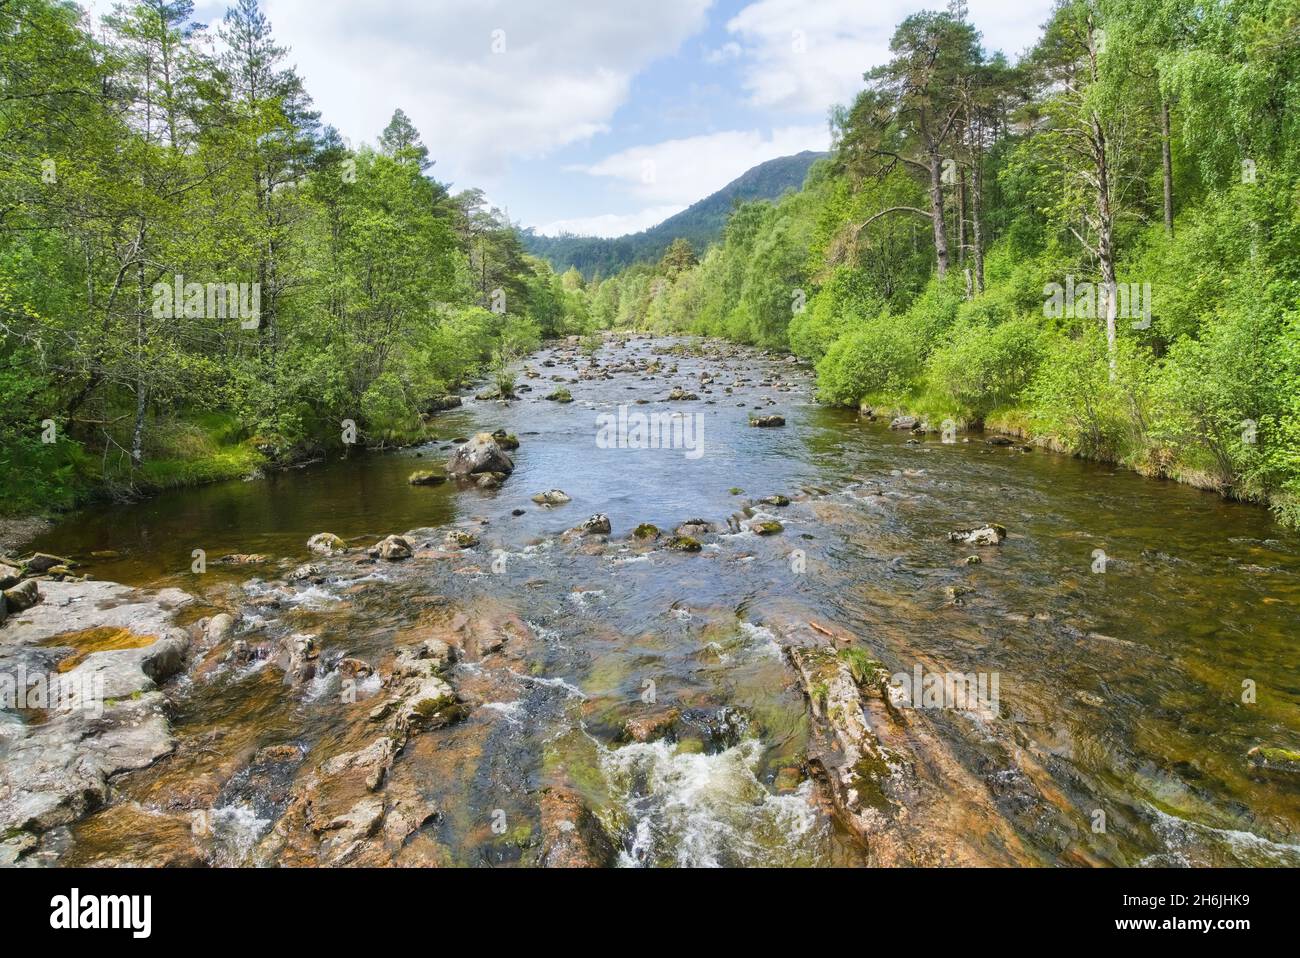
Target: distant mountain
701, 223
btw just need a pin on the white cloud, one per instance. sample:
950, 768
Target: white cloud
728, 51
679, 172
611, 224
479, 97
806, 57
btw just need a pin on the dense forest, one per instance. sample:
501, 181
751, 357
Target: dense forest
134, 160
1093, 246
700, 224
1097, 246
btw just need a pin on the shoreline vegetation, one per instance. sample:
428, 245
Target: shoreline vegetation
1128, 152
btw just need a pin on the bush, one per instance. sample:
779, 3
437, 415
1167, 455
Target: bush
881, 357
986, 368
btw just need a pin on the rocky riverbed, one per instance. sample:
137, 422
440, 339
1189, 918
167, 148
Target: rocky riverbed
537, 641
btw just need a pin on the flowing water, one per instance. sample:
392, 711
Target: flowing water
1120, 692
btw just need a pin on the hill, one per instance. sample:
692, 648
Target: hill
701, 223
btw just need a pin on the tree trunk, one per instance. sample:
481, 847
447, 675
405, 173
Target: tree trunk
977, 222
1168, 163
936, 214
1106, 242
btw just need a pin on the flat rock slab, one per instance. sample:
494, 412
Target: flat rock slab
77, 606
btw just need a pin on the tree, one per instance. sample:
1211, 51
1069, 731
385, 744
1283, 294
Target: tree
401, 140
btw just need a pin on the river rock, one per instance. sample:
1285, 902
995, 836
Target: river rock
425, 477
648, 728
326, 544
986, 535
694, 527
561, 395
905, 423
297, 658
596, 525
681, 395
442, 403
22, 597
462, 539
481, 454
780, 501
646, 530
572, 836
505, 440
40, 562
552, 497
220, 627
306, 573
767, 421
392, 548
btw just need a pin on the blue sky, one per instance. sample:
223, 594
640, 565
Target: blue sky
599, 116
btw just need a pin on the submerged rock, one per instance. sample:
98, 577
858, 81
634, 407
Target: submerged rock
561, 395
767, 421
479, 455
648, 728
424, 477
986, 535
572, 836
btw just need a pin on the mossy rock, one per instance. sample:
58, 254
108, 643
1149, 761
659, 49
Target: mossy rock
506, 440
426, 478
777, 500
767, 527
684, 544
459, 537
646, 530
561, 395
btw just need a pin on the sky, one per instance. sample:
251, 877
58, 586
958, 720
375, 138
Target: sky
599, 117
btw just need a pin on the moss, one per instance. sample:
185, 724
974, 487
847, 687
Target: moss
684, 544
646, 530
768, 527
862, 666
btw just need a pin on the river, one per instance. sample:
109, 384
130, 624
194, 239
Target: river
1119, 736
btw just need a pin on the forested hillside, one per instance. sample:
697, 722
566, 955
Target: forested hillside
699, 224
953, 258
135, 162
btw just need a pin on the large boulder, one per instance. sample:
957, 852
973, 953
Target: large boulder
481, 454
